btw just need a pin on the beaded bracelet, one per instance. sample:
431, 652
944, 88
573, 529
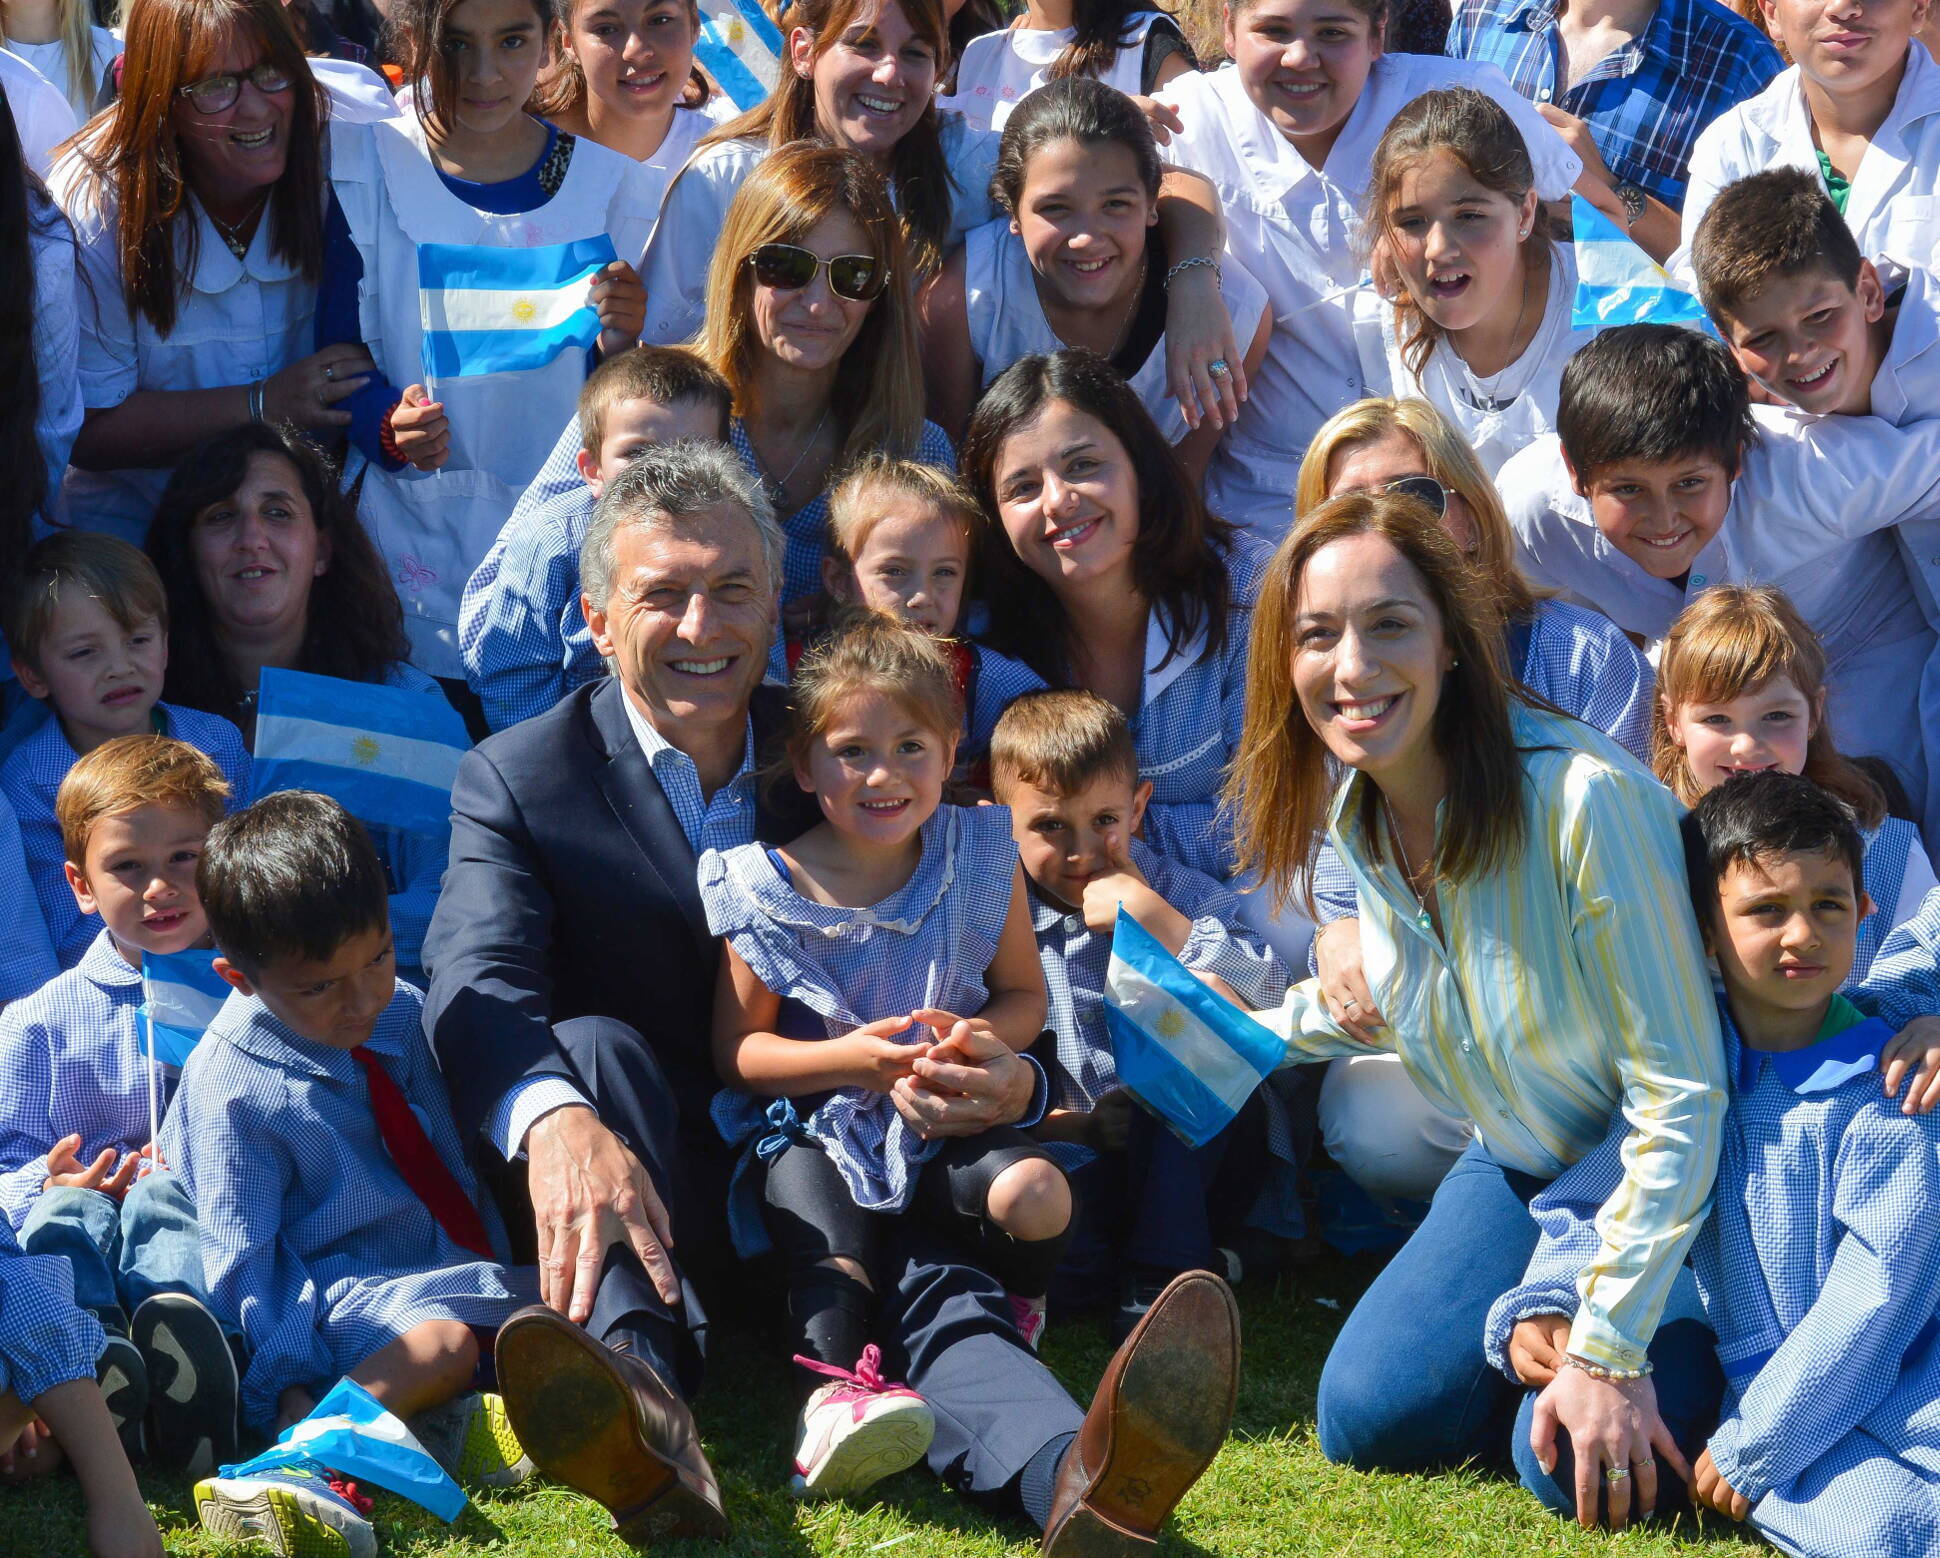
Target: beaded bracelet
1597, 1371
1188, 264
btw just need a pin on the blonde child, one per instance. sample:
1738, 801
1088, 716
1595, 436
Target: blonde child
888, 932
1741, 688
59, 39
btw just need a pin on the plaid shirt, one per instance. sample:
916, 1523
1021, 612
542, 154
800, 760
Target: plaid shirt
1646, 102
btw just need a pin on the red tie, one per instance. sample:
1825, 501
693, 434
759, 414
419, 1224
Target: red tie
418, 1161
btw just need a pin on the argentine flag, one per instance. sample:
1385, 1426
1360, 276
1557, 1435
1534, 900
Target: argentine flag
503, 310
180, 996
741, 49
1618, 284
1191, 1057
386, 754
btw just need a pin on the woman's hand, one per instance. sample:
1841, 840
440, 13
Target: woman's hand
1343, 981
306, 393
1537, 1348
1199, 333
1711, 1491
619, 297
872, 1057
1914, 1049
421, 430
1612, 1425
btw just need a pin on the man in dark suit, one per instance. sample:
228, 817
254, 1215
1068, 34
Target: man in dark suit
571, 1006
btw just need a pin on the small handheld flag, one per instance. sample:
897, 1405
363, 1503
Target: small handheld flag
180, 996
1191, 1057
387, 754
741, 49
1618, 284
487, 309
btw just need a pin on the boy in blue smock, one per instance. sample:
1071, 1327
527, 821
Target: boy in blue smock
1065, 764
340, 1222
1819, 1266
82, 1094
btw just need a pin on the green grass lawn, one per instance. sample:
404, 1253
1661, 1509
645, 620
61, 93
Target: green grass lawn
1270, 1493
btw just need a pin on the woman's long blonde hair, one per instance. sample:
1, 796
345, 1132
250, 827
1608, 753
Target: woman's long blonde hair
77, 37
1280, 785
1447, 457
1730, 641
878, 391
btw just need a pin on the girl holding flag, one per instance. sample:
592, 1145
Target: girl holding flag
479, 253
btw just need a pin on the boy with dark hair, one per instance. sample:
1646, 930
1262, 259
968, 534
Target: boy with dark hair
340, 1222
1662, 480
520, 628
78, 1173
1819, 1265
1065, 764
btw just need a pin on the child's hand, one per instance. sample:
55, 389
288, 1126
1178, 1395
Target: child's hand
1537, 1347
421, 430
620, 299
1162, 117
1709, 1489
33, 1453
65, 1168
1108, 1128
1914, 1051
874, 1059
945, 1025
122, 1527
293, 1405
1123, 883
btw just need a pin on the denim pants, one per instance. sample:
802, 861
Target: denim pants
122, 1251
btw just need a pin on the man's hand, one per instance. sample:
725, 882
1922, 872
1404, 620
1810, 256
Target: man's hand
1537, 1348
65, 1168
969, 1081
1915, 1051
1711, 1491
588, 1194
1613, 1426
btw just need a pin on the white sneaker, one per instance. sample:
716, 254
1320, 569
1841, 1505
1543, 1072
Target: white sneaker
858, 1429
301, 1511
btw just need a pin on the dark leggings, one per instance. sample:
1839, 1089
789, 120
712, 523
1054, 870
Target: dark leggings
812, 1219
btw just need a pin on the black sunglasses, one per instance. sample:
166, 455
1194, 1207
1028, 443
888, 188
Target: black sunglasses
787, 267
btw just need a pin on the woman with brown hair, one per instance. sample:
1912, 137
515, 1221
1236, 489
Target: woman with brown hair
197, 201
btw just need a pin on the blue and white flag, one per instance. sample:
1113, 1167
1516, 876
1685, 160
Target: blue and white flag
1618, 284
386, 754
180, 995
741, 49
503, 310
356, 1438
1190, 1056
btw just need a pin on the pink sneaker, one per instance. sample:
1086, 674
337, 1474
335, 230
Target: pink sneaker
1028, 1316
858, 1429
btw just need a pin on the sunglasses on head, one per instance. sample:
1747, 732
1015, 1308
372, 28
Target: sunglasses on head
787, 267
1424, 490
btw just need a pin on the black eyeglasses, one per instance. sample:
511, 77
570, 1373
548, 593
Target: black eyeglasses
1424, 490
787, 267
212, 94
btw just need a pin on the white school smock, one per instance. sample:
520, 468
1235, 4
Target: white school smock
1522, 397
1000, 68
1808, 513
434, 527
1006, 317
236, 322
358, 94
50, 59
56, 340
41, 115
1892, 210
696, 207
1297, 229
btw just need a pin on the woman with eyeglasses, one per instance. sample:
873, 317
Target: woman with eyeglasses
810, 320
197, 203
1377, 1125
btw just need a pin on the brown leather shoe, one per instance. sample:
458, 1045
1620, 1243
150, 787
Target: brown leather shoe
606, 1424
1158, 1419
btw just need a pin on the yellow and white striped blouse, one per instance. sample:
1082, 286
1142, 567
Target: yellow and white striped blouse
1564, 985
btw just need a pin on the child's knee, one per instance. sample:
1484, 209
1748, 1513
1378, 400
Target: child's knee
1030, 1200
849, 1267
448, 1347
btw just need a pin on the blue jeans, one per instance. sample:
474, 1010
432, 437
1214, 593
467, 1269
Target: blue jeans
1406, 1386
122, 1251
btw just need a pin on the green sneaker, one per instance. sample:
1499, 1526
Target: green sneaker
300, 1511
471, 1437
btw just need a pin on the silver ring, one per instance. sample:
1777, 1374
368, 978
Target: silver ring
1617, 1474
1217, 367
329, 372
1349, 1004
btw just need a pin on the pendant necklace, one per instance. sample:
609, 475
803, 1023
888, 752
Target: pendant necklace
1485, 399
778, 490
1422, 916
231, 232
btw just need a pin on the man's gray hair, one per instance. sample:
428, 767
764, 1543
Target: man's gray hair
666, 483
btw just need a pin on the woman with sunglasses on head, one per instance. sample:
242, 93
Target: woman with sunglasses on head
810, 321
197, 203
1377, 1125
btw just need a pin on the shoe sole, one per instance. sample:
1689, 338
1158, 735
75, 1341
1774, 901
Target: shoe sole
579, 1425
193, 1389
1175, 1407
888, 1443
294, 1525
492, 1456
123, 1378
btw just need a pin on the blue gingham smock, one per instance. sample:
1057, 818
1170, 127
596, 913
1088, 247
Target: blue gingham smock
71, 1056
44, 1339
928, 944
31, 777
311, 1240
1819, 1269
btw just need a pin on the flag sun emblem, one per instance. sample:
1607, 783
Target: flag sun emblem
363, 751
525, 311
1170, 1023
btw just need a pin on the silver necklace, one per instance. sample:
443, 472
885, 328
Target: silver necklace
1125, 324
231, 233
778, 490
1423, 917
1485, 398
